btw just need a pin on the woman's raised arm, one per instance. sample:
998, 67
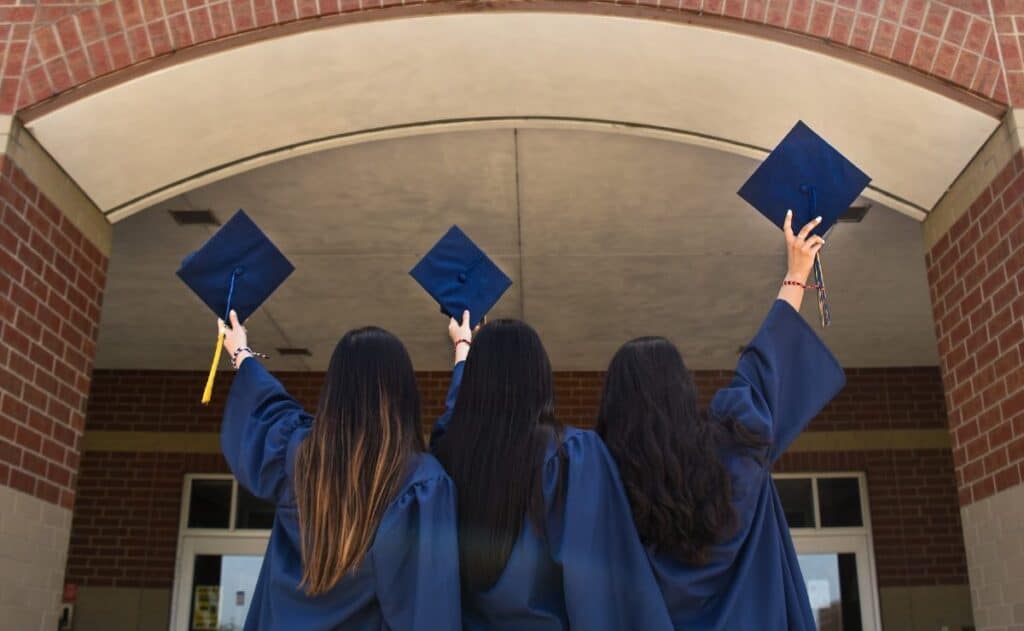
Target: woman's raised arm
260, 421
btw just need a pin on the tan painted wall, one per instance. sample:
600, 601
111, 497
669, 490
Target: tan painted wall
137, 609
938, 608
122, 608
33, 550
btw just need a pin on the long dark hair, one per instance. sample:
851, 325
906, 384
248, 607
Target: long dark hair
667, 450
352, 463
494, 449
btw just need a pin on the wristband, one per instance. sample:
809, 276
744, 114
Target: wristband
793, 283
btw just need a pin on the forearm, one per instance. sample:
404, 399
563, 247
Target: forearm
793, 294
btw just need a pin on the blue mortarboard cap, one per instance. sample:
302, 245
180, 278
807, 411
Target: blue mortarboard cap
460, 276
807, 175
237, 268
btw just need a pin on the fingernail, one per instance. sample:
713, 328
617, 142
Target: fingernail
817, 218
789, 212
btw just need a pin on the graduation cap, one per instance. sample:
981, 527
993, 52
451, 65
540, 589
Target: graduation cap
460, 277
237, 268
807, 175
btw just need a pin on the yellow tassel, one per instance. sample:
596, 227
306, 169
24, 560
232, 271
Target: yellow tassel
208, 392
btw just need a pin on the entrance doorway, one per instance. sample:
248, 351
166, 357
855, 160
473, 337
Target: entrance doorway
223, 536
829, 521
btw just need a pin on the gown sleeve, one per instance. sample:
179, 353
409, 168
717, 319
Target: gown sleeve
785, 376
260, 422
441, 425
607, 578
416, 560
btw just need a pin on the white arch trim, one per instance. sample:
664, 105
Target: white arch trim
170, 131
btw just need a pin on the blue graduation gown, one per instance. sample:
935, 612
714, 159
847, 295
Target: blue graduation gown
591, 572
409, 578
753, 581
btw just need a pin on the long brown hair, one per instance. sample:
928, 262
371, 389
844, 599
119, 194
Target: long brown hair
351, 465
668, 451
494, 449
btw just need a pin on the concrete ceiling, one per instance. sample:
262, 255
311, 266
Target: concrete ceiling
167, 132
606, 236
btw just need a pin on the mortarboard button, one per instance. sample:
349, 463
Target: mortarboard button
460, 277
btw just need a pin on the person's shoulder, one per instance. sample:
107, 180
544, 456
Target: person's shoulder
426, 478
574, 442
423, 467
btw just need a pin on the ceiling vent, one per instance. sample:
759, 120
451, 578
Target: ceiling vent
854, 214
294, 351
194, 218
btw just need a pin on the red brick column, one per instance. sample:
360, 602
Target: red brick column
976, 276
51, 284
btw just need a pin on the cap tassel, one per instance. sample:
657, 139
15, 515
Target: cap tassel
208, 391
819, 276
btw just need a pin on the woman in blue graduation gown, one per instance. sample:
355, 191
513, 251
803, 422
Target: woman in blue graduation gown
546, 540
364, 534
700, 485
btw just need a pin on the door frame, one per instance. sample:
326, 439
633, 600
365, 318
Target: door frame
191, 547
196, 541
855, 540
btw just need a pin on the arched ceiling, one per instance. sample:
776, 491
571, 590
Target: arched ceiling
167, 132
606, 236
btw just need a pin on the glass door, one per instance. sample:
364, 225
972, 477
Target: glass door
215, 582
837, 573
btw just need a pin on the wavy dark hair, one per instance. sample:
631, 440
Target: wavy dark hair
495, 445
667, 450
355, 458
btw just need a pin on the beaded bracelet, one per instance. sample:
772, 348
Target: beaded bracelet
245, 349
793, 283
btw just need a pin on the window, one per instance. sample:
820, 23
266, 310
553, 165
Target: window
822, 501
828, 518
220, 503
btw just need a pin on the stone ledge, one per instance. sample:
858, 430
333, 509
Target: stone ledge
52, 181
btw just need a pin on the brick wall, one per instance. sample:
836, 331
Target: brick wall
51, 48
126, 518
167, 401
51, 283
915, 520
125, 527
976, 279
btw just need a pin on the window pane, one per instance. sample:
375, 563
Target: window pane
831, 581
797, 501
839, 499
253, 512
222, 590
210, 504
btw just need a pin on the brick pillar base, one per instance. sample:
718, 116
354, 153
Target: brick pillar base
975, 260
51, 282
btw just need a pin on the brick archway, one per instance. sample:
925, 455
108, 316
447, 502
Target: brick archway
52, 50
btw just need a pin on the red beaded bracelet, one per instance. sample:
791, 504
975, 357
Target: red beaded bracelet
466, 342
794, 283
